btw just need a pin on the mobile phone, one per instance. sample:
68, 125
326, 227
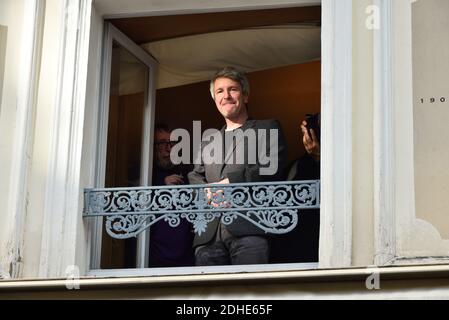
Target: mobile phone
313, 122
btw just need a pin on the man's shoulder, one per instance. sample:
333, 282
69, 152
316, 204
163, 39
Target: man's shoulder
266, 123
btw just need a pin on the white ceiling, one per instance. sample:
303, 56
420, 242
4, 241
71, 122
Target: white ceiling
135, 8
195, 58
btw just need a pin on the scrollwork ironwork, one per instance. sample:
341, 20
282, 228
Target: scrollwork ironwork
272, 207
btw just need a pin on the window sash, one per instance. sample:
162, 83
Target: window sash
111, 35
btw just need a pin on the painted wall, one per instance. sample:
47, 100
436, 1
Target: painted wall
363, 170
11, 23
44, 124
431, 111
3, 42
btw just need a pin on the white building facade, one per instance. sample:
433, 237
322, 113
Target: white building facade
384, 105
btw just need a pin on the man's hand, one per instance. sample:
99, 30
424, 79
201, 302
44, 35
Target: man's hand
224, 181
174, 179
310, 142
216, 195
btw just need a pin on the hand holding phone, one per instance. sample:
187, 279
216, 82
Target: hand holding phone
313, 122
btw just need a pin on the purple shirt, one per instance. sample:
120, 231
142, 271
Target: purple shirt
170, 247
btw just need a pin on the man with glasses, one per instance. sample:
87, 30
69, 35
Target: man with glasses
169, 247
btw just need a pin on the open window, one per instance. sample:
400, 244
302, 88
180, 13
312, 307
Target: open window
124, 157
279, 50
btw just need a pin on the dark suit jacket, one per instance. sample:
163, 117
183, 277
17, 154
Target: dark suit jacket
305, 236
238, 173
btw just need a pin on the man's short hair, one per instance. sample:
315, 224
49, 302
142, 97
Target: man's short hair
233, 74
161, 127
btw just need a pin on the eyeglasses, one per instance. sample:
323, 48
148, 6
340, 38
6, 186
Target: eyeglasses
165, 144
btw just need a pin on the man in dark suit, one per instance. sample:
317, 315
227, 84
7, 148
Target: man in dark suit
240, 242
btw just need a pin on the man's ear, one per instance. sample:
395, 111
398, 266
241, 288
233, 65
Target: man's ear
246, 98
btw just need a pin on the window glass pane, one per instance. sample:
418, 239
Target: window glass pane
129, 80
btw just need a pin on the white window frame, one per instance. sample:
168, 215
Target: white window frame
3, 40
400, 237
63, 197
30, 56
112, 34
336, 171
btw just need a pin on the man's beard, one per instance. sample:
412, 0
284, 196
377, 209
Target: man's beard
164, 163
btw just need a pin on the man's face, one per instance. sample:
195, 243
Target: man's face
229, 98
162, 147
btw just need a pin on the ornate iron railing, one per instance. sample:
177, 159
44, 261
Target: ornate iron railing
272, 207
